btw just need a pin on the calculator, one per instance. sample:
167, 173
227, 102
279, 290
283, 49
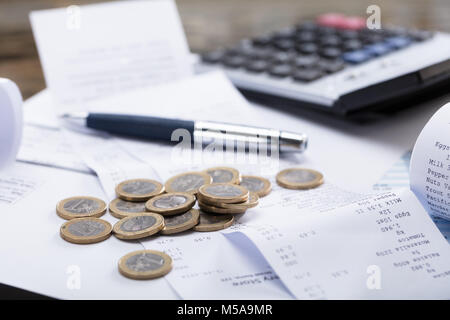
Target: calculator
338, 65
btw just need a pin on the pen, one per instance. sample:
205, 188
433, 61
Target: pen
155, 128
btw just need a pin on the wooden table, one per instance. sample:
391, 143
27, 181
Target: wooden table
208, 24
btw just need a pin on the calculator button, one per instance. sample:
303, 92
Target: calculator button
262, 41
348, 34
330, 41
284, 34
307, 48
378, 49
280, 70
257, 66
352, 45
331, 66
305, 61
331, 52
234, 61
213, 57
284, 44
398, 42
352, 23
281, 57
305, 36
330, 19
307, 26
356, 57
307, 75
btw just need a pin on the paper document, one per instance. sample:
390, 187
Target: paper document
430, 165
96, 50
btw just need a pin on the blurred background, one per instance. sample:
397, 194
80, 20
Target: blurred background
208, 24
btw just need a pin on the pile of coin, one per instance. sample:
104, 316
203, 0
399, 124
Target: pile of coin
146, 207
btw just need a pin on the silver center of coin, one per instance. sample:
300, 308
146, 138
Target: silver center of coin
171, 201
139, 187
145, 262
299, 176
224, 190
252, 184
138, 223
187, 182
177, 220
81, 206
87, 228
127, 206
221, 176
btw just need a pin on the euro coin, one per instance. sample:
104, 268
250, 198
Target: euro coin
209, 222
145, 264
224, 175
223, 192
171, 203
138, 189
215, 209
121, 209
180, 222
80, 207
188, 182
138, 226
251, 202
85, 230
299, 178
260, 186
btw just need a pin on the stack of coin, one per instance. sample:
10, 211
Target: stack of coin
226, 198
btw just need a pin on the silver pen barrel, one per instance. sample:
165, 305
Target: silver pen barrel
252, 138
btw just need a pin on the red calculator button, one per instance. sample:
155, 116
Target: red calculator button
352, 23
330, 19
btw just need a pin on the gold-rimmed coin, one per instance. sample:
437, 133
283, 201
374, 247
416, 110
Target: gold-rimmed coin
138, 226
299, 178
224, 175
138, 189
214, 209
188, 182
80, 207
145, 264
85, 230
251, 202
259, 185
121, 209
171, 203
209, 222
223, 192
181, 222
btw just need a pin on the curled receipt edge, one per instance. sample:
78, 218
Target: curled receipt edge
430, 165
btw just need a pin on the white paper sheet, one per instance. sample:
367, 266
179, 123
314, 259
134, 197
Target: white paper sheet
96, 50
36, 258
208, 266
430, 165
383, 247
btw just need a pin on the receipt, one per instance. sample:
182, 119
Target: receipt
14, 188
206, 265
430, 165
381, 247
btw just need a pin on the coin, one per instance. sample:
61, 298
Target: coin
181, 222
138, 226
215, 209
187, 182
299, 178
260, 186
138, 189
223, 192
209, 222
251, 202
85, 230
224, 175
80, 207
121, 209
171, 203
145, 264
